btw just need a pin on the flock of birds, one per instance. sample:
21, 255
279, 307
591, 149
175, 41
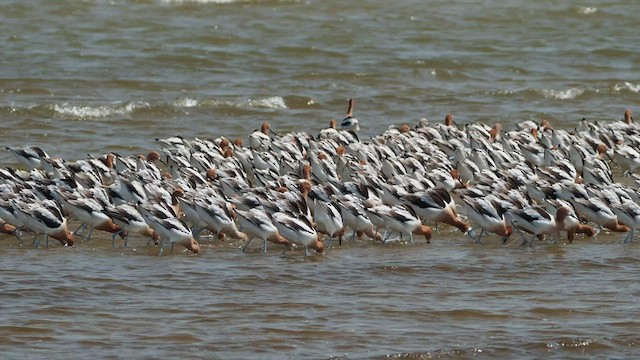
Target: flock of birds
303, 190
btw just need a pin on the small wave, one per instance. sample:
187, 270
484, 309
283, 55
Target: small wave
101, 111
566, 94
587, 10
570, 343
186, 103
274, 102
502, 92
180, 2
618, 87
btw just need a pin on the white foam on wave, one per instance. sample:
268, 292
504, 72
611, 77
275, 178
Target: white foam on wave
626, 86
588, 10
180, 2
566, 94
101, 111
186, 103
274, 102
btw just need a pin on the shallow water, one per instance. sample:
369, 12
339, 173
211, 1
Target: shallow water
451, 298
95, 76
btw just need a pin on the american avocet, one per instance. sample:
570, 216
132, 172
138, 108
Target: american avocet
124, 190
260, 140
218, 218
628, 214
201, 161
596, 176
298, 230
233, 187
534, 220
482, 159
627, 158
156, 192
176, 141
9, 213
355, 217
330, 132
146, 168
189, 210
482, 212
328, 220
157, 209
31, 157
567, 220
343, 137
495, 133
435, 205
399, 219
568, 192
467, 171
265, 161
173, 230
350, 122
44, 218
534, 154
322, 167
563, 172
124, 165
448, 120
578, 154
392, 167
444, 179
390, 194
89, 212
612, 195
597, 211
255, 223
131, 221
628, 116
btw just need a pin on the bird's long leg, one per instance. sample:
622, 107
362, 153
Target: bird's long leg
244, 248
532, 239
90, 233
524, 239
18, 234
82, 226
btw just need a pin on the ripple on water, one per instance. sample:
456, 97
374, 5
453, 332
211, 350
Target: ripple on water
470, 314
580, 345
25, 330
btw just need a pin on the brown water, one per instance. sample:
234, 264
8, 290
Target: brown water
451, 298
80, 77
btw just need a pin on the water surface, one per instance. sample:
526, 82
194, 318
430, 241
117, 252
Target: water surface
80, 77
